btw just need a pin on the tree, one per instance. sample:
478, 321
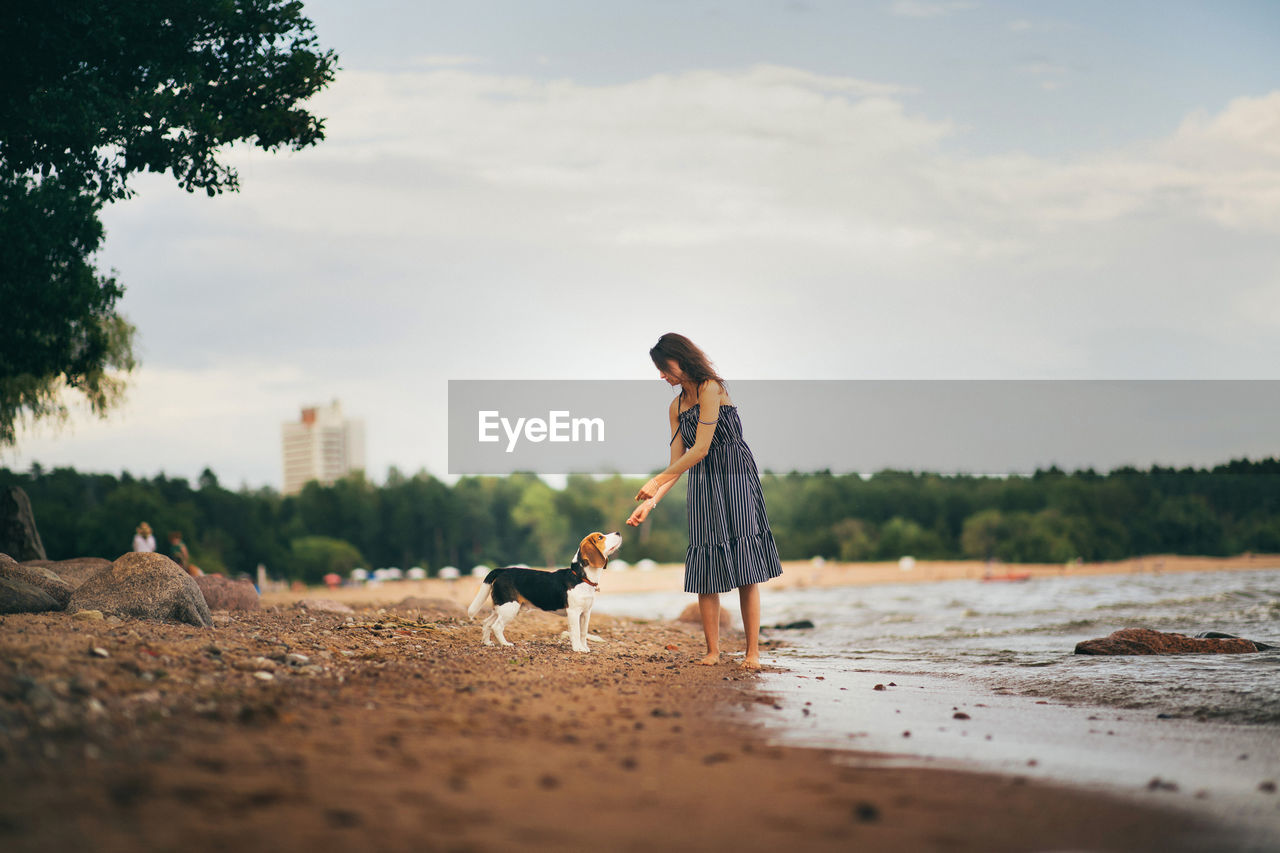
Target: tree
92, 92
313, 557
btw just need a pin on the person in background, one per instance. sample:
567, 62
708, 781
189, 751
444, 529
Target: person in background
179, 554
143, 538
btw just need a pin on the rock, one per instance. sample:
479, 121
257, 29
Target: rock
17, 596
1219, 635
1144, 641
794, 626
18, 535
324, 605
146, 586
693, 615
222, 593
75, 571
36, 576
88, 616
432, 608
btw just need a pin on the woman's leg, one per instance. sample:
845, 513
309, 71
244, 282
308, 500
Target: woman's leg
749, 596
709, 610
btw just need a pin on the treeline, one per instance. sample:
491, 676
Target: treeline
1051, 516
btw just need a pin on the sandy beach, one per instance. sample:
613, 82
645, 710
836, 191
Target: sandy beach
394, 729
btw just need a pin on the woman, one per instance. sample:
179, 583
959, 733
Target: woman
143, 538
730, 543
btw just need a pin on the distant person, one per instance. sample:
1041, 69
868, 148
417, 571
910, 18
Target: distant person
143, 539
179, 554
730, 543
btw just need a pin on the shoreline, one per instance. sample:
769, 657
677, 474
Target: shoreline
400, 731
795, 575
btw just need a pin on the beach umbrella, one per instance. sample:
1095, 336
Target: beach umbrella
450, 573
333, 581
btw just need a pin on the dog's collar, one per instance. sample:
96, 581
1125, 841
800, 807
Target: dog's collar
577, 570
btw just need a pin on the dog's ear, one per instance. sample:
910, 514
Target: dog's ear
591, 551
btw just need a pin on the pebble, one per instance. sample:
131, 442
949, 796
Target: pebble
99, 652
866, 812
263, 675
88, 616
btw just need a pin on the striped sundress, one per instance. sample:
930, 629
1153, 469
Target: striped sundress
730, 543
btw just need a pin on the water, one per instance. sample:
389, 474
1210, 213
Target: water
1001, 654
1018, 638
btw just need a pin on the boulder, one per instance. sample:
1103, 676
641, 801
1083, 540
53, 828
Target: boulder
146, 586
222, 593
20, 597
74, 571
41, 578
1144, 641
693, 615
18, 535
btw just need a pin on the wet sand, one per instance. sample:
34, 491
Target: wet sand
397, 730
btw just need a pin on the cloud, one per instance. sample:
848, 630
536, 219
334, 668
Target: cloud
923, 9
446, 60
458, 222
710, 157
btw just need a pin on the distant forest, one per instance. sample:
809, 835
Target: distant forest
1051, 516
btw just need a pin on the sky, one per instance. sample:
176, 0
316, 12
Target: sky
899, 189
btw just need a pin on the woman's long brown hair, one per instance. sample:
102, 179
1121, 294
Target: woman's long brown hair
693, 362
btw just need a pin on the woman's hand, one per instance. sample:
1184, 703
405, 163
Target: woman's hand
640, 513
648, 490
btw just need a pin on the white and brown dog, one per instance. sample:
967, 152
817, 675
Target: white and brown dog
571, 590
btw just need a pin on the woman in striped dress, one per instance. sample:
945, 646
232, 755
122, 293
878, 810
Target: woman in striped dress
730, 543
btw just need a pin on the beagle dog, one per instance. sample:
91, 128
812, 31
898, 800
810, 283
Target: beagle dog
571, 590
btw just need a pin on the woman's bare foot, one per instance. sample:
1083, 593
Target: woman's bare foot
752, 663
711, 659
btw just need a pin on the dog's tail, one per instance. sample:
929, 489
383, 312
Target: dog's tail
482, 593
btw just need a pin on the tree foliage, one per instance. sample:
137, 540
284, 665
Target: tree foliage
92, 92
494, 521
